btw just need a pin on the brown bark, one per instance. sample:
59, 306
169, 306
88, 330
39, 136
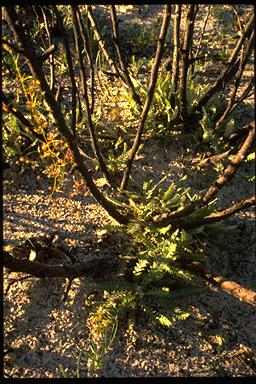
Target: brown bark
232, 168
22, 119
244, 294
214, 159
235, 289
229, 71
152, 83
101, 42
171, 217
89, 54
176, 49
121, 57
88, 268
184, 67
244, 95
58, 116
47, 53
217, 216
243, 62
70, 68
79, 49
99, 267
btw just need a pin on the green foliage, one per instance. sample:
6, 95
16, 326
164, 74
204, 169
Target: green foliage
143, 37
106, 315
206, 132
12, 139
156, 255
159, 199
117, 157
162, 111
104, 325
195, 90
152, 275
225, 18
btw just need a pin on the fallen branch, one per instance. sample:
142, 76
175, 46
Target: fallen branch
93, 268
244, 294
235, 289
97, 268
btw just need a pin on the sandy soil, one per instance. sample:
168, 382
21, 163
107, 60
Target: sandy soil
42, 334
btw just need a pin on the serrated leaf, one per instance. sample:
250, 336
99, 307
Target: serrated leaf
101, 182
168, 191
186, 237
119, 141
140, 266
32, 255
164, 320
171, 250
183, 316
251, 156
164, 230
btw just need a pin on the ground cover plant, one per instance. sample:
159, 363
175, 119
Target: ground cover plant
78, 101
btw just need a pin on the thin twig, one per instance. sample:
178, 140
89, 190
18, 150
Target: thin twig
228, 72
243, 62
121, 57
101, 42
152, 84
79, 49
85, 38
190, 20
176, 44
37, 70
52, 67
245, 94
70, 68
203, 31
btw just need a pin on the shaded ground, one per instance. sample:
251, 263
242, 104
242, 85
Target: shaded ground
42, 333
